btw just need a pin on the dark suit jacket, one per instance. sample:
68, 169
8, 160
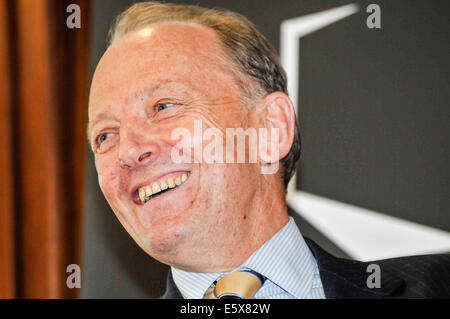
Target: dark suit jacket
406, 277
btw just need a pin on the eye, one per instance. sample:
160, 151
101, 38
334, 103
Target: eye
162, 106
102, 137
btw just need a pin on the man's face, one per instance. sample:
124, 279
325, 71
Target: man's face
147, 84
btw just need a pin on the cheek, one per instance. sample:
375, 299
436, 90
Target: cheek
109, 179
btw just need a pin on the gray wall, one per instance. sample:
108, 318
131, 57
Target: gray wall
374, 114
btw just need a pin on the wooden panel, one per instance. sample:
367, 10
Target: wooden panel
80, 100
7, 257
41, 239
70, 78
44, 74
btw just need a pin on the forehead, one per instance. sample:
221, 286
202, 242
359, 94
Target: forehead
187, 53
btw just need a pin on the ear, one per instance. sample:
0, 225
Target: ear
278, 113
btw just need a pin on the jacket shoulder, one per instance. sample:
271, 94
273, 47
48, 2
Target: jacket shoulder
424, 276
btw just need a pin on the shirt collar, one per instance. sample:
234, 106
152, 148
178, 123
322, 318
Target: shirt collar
284, 259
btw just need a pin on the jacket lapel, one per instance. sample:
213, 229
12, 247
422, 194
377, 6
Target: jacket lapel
343, 278
172, 291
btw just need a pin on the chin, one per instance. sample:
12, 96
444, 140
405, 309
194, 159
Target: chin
162, 236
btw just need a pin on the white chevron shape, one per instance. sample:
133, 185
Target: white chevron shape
361, 233
367, 235
293, 29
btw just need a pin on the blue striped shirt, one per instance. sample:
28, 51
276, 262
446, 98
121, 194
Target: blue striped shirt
285, 260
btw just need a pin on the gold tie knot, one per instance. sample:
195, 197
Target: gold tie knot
235, 285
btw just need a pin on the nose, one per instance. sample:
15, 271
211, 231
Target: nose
137, 147
141, 158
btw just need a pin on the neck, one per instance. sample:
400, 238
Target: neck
265, 215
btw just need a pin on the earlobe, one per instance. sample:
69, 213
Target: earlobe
279, 120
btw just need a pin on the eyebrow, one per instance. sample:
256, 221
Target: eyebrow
145, 91
159, 86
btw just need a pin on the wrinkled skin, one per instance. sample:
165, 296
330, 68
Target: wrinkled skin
223, 212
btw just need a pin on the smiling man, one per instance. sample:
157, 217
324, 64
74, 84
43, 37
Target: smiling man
223, 227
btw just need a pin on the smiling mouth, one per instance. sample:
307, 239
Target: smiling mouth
148, 192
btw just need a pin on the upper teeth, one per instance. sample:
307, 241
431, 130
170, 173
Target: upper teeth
146, 191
